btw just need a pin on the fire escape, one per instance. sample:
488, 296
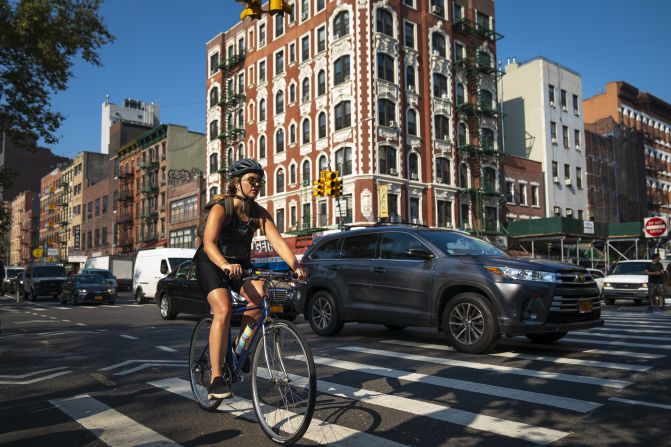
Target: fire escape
232, 105
62, 203
149, 210
125, 213
477, 146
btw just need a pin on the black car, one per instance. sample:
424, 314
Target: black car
180, 292
8, 284
79, 289
403, 276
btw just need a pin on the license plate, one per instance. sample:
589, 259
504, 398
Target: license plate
98, 298
584, 306
278, 308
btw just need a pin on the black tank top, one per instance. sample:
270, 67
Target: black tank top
235, 240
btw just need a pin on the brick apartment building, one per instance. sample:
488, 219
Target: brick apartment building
524, 188
396, 95
21, 236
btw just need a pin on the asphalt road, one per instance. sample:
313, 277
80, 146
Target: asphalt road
116, 375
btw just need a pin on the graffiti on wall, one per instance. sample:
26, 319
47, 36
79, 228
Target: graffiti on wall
178, 177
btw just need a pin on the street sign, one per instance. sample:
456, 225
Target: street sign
37, 253
655, 227
52, 252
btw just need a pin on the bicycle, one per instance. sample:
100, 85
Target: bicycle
284, 382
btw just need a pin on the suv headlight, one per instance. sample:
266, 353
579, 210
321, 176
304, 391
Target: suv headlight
110, 291
522, 274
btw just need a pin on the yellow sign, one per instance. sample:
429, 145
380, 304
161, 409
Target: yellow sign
382, 196
37, 252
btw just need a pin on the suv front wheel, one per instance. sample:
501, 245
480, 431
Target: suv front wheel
323, 314
469, 324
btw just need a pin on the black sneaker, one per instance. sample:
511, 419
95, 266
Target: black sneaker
218, 389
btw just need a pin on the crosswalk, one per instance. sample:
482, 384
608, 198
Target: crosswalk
521, 394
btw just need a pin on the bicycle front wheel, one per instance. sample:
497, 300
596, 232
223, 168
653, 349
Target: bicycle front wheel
200, 369
284, 382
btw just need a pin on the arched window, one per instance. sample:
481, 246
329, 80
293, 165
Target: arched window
321, 83
410, 78
306, 131
292, 93
443, 170
262, 188
484, 60
262, 109
321, 126
279, 141
343, 115
292, 174
386, 113
384, 22
461, 134
214, 96
438, 44
305, 173
229, 155
385, 67
486, 99
387, 160
214, 163
487, 139
214, 129
439, 85
442, 127
262, 147
341, 70
460, 94
343, 159
279, 102
341, 25
412, 122
241, 151
489, 179
305, 94
323, 163
292, 134
279, 180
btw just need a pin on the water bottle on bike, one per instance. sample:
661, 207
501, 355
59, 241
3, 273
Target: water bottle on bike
244, 338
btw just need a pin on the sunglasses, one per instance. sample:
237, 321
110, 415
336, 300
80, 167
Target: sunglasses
255, 181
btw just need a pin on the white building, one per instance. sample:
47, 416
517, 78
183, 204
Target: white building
543, 121
132, 111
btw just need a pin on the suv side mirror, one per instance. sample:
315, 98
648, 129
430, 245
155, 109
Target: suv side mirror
422, 253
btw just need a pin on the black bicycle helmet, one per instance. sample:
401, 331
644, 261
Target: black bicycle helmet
243, 166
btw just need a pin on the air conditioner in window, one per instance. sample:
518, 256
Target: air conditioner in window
577, 147
439, 180
554, 140
567, 182
414, 176
446, 137
392, 171
411, 88
466, 226
347, 78
304, 16
435, 9
569, 212
443, 96
391, 124
555, 179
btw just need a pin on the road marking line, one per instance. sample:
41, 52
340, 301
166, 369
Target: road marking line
319, 431
110, 426
624, 332
130, 362
166, 349
566, 403
620, 326
642, 337
538, 358
641, 355
129, 337
40, 308
616, 343
623, 321
37, 379
102, 378
53, 318
35, 321
494, 368
80, 324
62, 308
23, 376
640, 402
125, 372
7, 309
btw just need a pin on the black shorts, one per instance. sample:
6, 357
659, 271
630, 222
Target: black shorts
212, 277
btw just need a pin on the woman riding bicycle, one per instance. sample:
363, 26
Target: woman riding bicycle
226, 252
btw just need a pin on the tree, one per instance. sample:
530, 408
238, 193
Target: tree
39, 40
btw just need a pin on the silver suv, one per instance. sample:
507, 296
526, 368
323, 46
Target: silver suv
403, 276
43, 279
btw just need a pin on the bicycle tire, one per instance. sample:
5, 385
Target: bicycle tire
277, 413
200, 370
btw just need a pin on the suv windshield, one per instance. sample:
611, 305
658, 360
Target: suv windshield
48, 271
457, 244
629, 268
11, 273
89, 279
174, 262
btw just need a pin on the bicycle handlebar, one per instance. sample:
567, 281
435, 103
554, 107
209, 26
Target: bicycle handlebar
266, 274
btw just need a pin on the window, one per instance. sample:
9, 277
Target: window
384, 22
359, 247
321, 4
438, 44
184, 209
343, 115
306, 131
321, 83
292, 93
581, 215
262, 34
413, 166
279, 180
439, 85
292, 134
534, 195
97, 238
567, 172
214, 163
397, 245
459, 52
457, 11
410, 3
510, 192
385, 67
185, 238
409, 34
555, 169
305, 9
460, 94
214, 129
578, 177
321, 39
241, 83
576, 139
557, 211
279, 102
443, 170
553, 132
488, 180
444, 210
523, 194
328, 250
486, 100
551, 94
463, 175
279, 62
343, 159
305, 48
279, 141
262, 109
292, 174
386, 113
115, 201
482, 21
387, 160
321, 121
305, 92
564, 130
279, 220
292, 217
305, 173
412, 122
410, 78
97, 207
341, 70
487, 139
576, 111
106, 204
214, 63
292, 53
214, 96
564, 105
323, 164
461, 135
279, 25
341, 25
262, 147
306, 221
262, 71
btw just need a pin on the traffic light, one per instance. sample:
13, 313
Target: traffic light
330, 183
253, 9
280, 7
337, 189
318, 190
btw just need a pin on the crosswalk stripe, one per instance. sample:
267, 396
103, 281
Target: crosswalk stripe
497, 368
62, 308
538, 358
642, 337
592, 341
23, 376
129, 337
130, 362
35, 321
142, 366
640, 355
662, 323
166, 349
7, 309
618, 326
319, 431
566, 403
112, 427
640, 402
623, 330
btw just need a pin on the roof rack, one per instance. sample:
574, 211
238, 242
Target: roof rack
380, 223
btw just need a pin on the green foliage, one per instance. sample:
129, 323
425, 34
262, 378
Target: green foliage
39, 39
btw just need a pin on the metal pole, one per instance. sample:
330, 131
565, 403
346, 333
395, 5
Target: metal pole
533, 249
561, 241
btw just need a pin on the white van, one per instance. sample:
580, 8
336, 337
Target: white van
152, 265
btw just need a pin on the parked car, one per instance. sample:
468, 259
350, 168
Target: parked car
86, 288
597, 276
180, 292
121, 268
8, 282
403, 276
106, 275
43, 279
627, 280
152, 265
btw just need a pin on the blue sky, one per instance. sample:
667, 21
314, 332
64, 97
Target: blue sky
159, 54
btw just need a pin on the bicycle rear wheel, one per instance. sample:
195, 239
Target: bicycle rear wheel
200, 369
284, 382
